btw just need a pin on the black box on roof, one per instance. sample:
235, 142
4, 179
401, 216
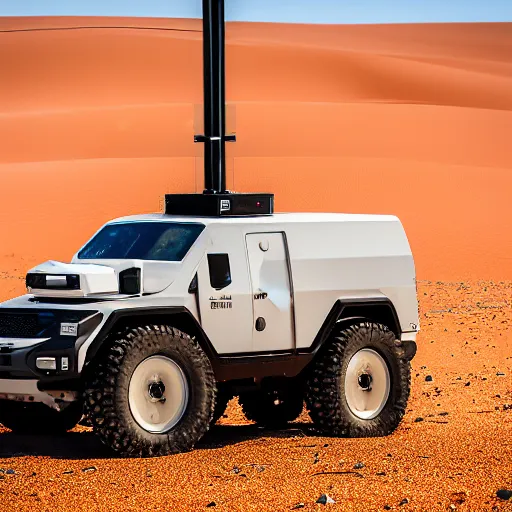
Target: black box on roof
219, 205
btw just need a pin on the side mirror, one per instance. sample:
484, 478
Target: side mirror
220, 273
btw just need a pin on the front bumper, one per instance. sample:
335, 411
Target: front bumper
27, 335
28, 391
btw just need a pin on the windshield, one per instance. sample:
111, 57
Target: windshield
162, 241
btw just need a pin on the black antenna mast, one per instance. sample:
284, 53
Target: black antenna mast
214, 137
215, 199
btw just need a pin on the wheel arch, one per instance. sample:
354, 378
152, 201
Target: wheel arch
346, 312
178, 317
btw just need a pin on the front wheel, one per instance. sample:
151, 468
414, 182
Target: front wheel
152, 393
38, 418
359, 385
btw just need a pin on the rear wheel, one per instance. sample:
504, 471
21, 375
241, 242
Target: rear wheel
152, 393
272, 407
359, 384
38, 418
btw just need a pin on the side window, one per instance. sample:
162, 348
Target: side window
220, 273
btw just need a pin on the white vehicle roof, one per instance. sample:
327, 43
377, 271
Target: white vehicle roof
274, 218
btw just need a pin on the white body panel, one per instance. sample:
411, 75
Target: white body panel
271, 291
228, 328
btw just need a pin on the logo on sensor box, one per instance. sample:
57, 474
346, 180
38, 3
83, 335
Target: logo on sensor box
225, 205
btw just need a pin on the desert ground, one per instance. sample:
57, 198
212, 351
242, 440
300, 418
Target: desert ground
97, 118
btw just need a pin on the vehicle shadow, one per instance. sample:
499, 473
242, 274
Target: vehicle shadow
85, 445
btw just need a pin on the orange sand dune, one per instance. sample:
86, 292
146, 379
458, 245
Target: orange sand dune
97, 117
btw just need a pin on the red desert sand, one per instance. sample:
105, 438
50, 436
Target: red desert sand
97, 117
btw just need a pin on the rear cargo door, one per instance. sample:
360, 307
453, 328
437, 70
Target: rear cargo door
273, 325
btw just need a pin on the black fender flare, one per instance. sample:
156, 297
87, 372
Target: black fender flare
158, 314
336, 320
336, 317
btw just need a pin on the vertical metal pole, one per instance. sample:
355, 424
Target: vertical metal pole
214, 96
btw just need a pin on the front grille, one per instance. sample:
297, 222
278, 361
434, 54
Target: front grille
13, 325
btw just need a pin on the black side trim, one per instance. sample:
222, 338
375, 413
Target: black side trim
256, 365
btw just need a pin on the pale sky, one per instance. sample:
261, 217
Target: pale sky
291, 11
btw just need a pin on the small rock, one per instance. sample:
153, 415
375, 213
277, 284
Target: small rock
428, 378
504, 494
69, 472
389, 455
458, 378
298, 505
324, 499
10, 472
453, 507
443, 414
500, 374
326, 445
382, 473
418, 419
316, 458
467, 384
359, 465
387, 507
507, 407
211, 504
403, 502
235, 470
89, 469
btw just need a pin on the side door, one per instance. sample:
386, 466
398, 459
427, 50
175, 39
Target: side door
224, 291
269, 269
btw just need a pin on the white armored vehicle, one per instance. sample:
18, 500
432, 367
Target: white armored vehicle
160, 319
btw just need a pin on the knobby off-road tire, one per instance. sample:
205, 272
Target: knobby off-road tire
336, 389
144, 372
38, 418
261, 407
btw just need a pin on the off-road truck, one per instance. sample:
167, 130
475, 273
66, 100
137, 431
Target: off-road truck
160, 319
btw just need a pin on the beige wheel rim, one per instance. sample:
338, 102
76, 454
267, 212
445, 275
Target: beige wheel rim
367, 384
158, 394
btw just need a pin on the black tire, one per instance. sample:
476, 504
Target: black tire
260, 407
325, 390
107, 400
38, 418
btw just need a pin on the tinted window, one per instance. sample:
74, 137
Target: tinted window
220, 273
162, 241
